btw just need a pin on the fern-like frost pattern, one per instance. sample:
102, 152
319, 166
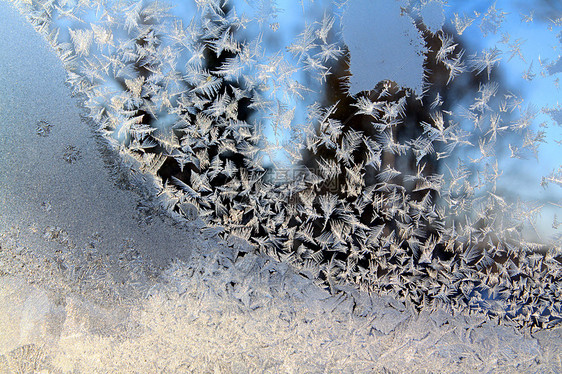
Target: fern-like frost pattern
383, 183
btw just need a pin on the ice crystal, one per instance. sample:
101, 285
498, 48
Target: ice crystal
71, 154
43, 128
392, 183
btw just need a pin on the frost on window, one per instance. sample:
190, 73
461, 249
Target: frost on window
392, 162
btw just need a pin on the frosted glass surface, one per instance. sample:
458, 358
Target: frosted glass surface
262, 186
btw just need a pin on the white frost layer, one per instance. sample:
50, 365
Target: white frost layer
383, 45
58, 180
249, 314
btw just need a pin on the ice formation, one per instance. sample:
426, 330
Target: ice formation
391, 218
368, 203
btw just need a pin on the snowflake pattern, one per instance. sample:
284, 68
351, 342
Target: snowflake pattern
394, 195
43, 128
71, 154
